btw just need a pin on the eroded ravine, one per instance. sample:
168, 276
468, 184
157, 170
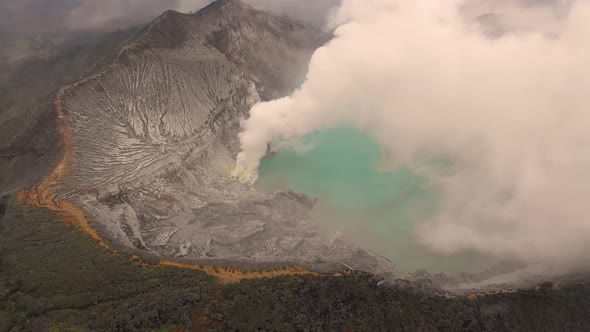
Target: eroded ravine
43, 195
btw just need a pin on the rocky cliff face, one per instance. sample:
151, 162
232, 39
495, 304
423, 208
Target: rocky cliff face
150, 138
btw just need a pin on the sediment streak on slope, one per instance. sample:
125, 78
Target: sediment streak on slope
43, 195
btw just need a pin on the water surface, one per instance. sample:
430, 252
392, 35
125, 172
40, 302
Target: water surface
374, 204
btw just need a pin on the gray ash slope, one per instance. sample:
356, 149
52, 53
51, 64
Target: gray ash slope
154, 132
29, 142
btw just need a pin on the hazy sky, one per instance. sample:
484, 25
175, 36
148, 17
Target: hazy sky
36, 16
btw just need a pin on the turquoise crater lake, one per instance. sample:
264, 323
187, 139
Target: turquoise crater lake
373, 204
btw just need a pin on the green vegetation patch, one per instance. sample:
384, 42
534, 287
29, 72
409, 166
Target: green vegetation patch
53, 278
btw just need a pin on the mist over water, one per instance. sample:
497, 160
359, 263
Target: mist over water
362, 194
508, 109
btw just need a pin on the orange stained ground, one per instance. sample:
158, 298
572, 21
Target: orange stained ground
43, 196
229, 275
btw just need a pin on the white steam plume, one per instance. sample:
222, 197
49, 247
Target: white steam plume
512, 115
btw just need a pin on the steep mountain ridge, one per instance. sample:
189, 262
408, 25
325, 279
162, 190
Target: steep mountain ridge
154, 137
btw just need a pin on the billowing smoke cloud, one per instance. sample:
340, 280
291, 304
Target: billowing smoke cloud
500, 16
508, 114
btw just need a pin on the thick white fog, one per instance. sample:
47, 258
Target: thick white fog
510, 113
